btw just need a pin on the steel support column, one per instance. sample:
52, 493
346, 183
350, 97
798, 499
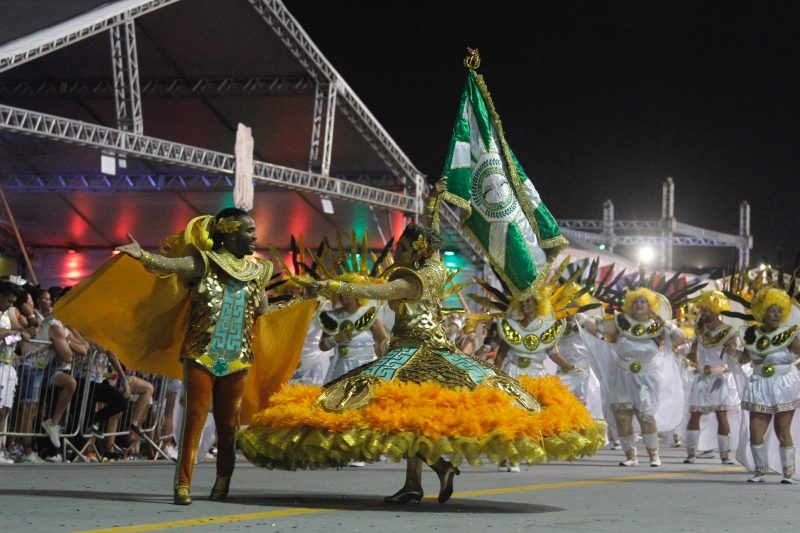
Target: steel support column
125, 67
667, 222
744, 232
608, 225
319, 159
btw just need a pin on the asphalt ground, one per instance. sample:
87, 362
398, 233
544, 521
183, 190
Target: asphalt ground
593, 494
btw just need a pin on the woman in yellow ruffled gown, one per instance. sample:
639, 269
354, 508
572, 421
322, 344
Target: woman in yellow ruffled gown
423, 400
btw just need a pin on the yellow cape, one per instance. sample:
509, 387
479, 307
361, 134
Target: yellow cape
143, 319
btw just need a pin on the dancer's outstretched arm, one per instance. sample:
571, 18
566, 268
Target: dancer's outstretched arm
188, 267
397, 289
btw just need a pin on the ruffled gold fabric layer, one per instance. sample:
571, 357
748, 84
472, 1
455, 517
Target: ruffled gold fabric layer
404, 419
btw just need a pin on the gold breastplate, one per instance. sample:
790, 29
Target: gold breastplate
222, 311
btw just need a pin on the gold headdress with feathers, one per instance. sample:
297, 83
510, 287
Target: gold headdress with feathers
554, 298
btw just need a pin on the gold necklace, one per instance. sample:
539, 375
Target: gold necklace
236, 267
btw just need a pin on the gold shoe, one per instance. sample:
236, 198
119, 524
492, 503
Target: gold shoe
446, 472
220, 489
405, 495
181, 495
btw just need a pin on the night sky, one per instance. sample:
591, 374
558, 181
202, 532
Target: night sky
598, 100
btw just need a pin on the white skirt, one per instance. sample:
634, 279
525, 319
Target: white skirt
775, 394
716, 392
586, 387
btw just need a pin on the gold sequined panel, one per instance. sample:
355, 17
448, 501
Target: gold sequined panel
513, 388
421, 319
509, 333
349, 393
205, 307
426, 365
711, 339
643, 330
764, 342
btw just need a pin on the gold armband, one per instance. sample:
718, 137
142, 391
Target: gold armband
148, 260
334, 285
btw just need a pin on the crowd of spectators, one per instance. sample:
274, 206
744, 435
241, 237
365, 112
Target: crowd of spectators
65, 398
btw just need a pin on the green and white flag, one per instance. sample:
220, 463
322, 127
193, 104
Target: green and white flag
499, 205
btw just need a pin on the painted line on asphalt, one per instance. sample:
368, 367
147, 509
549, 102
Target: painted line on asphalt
210, 520
227, 519
589, 482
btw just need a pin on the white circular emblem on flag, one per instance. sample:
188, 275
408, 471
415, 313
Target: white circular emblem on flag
491, 191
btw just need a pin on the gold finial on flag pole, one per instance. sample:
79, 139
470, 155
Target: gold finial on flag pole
473, 60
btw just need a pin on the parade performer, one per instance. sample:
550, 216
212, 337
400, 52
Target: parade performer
772, 392
643, 377
197, 301
530, 332
576, 345
713, 390
423, 400
352, 329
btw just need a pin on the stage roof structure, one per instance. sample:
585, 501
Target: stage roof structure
120, 117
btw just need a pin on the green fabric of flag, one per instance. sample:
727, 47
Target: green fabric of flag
499, 205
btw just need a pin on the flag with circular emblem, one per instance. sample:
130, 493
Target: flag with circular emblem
499, 204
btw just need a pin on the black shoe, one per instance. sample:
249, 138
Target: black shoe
446, 472
405, 495
220, 489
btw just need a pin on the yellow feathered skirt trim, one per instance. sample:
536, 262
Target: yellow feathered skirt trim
403, 419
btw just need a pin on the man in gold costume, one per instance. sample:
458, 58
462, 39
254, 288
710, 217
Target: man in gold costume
226, 295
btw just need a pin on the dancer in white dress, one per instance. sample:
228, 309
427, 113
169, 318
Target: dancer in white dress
642, 335
713, 389
354, 331
575, 346
773, 391
528, 340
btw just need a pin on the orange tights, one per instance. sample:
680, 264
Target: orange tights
200, 387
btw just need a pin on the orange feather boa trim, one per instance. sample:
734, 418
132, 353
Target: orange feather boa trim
427, 419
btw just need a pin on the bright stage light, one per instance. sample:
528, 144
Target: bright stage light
327, 205
646, 254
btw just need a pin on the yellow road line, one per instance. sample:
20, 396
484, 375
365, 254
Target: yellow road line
589, 482
211, 520
227, 519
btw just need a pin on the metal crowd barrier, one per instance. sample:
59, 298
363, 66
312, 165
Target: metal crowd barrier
121, 424
32, 406
38, 402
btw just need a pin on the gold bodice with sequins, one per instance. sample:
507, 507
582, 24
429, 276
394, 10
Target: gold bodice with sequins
420, 320
223, 307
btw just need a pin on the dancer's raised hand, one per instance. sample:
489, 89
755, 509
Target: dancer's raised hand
132, 248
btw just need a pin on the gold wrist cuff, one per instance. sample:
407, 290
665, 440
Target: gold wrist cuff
148, 260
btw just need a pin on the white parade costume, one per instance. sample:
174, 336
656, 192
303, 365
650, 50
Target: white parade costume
573, 346
643, 375
773, 387
528, 346
360, 350
314, 363
713, 388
